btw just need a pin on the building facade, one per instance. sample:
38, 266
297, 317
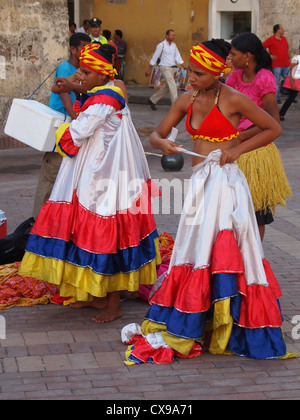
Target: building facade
34, 35
144, 22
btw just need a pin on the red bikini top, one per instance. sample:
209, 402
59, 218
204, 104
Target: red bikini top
215, 127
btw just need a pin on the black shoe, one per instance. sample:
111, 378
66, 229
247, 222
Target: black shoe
281, 118
152, 105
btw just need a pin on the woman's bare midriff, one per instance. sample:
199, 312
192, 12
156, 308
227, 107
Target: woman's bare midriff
204, 148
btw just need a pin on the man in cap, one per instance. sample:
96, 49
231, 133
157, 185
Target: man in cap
95, 28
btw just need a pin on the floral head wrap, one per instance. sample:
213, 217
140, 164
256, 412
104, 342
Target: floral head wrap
92, 57
208, 60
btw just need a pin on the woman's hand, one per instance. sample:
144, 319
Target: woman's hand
168, 147
75, 78
229, 156
62, 85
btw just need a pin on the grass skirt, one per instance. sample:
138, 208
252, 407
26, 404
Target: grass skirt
266, 178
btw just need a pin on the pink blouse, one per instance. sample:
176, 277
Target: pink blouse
263, 83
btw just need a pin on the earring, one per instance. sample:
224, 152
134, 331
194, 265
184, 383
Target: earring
247, 64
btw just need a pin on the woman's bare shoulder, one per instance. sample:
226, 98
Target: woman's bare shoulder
120, 84
187, 95
184, 100
233, 96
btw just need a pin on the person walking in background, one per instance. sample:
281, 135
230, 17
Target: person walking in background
262, 167
167, 56
85, 27
63, 103
95, 31
280, 54
293, 81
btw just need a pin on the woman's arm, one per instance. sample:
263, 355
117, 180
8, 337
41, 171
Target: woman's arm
269, 128
66, 85
120, 84
71, 83
70, 137
158, 139
68, 104
271, 107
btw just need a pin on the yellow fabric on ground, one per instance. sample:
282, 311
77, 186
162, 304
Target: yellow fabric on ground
181, 345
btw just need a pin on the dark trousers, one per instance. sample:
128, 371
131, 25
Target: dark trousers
288, 102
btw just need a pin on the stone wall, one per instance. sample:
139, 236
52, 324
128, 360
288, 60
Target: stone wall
285, 13
33, 41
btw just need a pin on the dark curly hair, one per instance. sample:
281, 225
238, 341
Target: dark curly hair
249, 42
218, 46
107, 52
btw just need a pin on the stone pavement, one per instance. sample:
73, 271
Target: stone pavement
55, 352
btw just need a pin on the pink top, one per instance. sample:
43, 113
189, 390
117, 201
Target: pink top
263, 83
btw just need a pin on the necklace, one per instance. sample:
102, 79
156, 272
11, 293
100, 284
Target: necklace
216, 87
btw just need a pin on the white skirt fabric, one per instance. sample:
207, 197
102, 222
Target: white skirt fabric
218, 199
218, 279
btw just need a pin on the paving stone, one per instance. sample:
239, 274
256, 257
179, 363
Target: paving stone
32, 338
57, 362
13, 340
84, 336
30, 364
82, 361
10, 365
109, 359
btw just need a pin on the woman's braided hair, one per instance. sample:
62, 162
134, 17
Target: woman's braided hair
219, 46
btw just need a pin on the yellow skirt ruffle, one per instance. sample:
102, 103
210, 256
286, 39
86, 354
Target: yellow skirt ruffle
217, 334
82, 283
218, 329
265, 174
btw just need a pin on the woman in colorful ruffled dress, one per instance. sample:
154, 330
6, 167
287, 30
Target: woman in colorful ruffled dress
96, 235
262, 167
219, 290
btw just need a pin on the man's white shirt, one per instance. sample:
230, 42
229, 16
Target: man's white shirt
168, 53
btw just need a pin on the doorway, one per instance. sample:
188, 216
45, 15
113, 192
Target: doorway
71, 11
228, 18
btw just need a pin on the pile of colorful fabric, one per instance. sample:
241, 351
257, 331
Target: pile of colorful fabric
166, 243
16, 290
